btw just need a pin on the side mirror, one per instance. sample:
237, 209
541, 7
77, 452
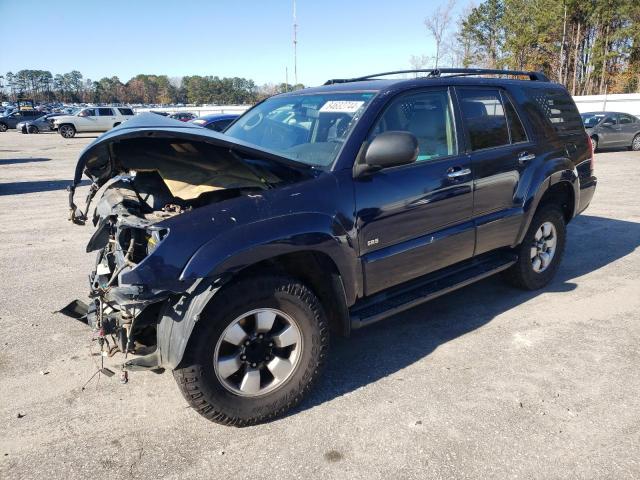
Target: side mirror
389, 149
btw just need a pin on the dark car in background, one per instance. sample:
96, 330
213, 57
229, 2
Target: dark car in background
612, 129
216, 121
11, 120
183, 116
41, 124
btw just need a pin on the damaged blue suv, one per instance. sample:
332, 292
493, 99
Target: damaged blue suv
231, 258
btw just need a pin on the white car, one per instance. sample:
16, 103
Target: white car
91, 119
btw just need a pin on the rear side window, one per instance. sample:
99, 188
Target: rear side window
105, 112
515, 125
219, 125
627, 119
558, 109
484, 118
125, 111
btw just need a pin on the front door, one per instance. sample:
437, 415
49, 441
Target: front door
417, 218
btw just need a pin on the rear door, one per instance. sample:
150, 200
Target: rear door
415, 219
629, 127
106, 118
500, 153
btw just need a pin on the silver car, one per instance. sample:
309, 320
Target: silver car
612, 129
42, 124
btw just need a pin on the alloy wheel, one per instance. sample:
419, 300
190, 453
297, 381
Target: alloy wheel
258, 352
543, 247
66, 131
635, 145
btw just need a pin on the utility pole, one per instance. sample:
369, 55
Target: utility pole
295, 46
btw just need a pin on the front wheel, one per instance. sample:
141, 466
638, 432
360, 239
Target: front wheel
67, 131
594, 143
258, 349
540, 252
32, 129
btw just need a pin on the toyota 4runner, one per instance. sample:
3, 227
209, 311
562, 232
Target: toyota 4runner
229, 259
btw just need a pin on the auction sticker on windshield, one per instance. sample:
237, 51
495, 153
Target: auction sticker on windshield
342, 106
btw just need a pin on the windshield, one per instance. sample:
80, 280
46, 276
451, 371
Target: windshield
590, 120
306, 128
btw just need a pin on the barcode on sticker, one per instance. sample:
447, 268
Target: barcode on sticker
342, 106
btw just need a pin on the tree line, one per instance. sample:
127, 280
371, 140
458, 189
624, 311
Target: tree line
42, 86
590, 46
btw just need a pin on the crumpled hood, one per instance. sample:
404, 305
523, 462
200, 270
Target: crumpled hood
96, 162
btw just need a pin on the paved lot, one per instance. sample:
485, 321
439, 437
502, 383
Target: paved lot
487, 382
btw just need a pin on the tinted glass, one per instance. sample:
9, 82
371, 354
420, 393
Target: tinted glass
105, 112
627, 119
484, 118
89, 112
428, 116
559, 110
515, 125
611, 119
125, 111
219, 125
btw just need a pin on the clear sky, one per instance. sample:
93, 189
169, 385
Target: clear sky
252, 39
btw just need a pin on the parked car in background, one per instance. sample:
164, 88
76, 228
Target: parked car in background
216, 121
92, 119
163, 114
42, 124
183, 116
12, 119
612, 129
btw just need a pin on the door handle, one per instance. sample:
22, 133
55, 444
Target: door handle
525, 157
456, 172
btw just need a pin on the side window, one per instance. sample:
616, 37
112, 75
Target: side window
558, 108
219, 126
515, 124
626, 119
125, 111
613, 119
105, 112
484, 117
90, 112
428, 116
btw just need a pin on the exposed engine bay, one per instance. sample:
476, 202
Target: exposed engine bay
138, 183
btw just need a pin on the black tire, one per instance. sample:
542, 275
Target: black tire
635, 143
196, 376
522, 273
67, 130
3, 127
33, 129
594, 142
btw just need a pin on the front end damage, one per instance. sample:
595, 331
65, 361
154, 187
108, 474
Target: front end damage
159, 192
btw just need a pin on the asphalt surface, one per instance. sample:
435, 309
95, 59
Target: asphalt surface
486, 382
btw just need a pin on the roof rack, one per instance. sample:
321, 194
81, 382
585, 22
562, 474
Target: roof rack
453, 72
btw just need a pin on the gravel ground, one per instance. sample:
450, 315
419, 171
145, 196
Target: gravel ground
504, 384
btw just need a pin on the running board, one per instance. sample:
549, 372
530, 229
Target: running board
386, 304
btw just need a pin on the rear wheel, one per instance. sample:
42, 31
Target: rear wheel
540, 252
594, 142
258, 349
3, 127
635, 144
67, 130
